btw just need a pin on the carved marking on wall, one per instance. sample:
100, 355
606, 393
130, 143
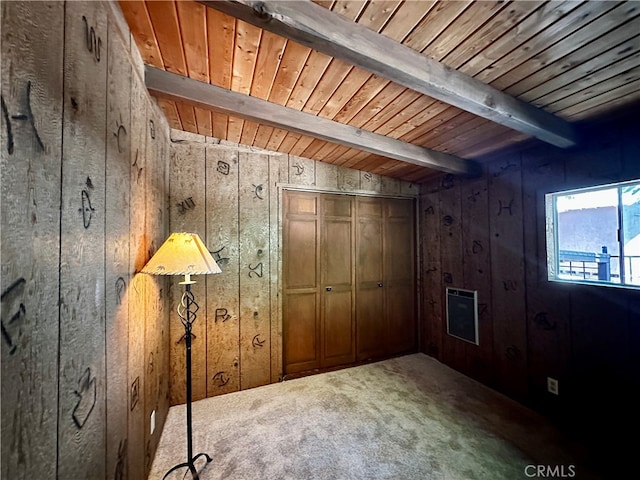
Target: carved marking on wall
86, 394
448, 181
223, 167
257, 342
120, 286
367, 176
121, 465
186, 204
93, 42
429, 210
222, 315
28, 117
257, 270
477, 247
483, 309
473, 196
138, 169
508, 165
447, 220
150, 365
7, 122
447, 277
541, 319
121, 135
510, 285
542, 169
512, 352
151, 250
431, 270
183, 337
505, 206
86, 209
257, 191
14, 292
134, 394
220, 379
152, 129
299, 168
217, 256
432, 302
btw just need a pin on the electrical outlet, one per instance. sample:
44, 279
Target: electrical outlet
153, 422
552, 385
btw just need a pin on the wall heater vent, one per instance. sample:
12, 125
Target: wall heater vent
462, 314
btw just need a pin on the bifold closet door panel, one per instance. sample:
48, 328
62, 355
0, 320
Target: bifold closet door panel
302, 349
348, 279
301, 303
337, 273
399, 275
370, 311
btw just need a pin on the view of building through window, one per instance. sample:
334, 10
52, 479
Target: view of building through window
593, 235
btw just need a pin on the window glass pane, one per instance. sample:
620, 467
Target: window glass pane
587, 233
631, 238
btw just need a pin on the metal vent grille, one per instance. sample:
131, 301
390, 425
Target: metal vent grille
462, 314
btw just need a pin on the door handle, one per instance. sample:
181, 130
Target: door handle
379, 284
328, 289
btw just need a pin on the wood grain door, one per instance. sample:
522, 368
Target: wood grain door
348, 279
337, 278
301, 287
370, 310
399, 268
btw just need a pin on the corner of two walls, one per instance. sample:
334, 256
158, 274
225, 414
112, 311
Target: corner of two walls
488, 234
230, 195
85, 151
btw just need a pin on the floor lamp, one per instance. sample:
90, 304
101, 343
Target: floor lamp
185, 254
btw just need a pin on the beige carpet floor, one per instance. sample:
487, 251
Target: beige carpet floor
405, 418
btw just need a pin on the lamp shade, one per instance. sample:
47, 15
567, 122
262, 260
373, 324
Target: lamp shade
182, 254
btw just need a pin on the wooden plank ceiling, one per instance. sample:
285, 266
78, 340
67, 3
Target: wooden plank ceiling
575, 59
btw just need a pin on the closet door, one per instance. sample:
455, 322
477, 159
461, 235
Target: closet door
337, 274
301, 287
370, 311
348, 279
399, 268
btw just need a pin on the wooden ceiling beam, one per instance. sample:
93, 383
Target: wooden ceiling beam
329, 33
178, 88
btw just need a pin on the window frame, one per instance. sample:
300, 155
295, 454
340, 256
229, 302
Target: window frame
551, 222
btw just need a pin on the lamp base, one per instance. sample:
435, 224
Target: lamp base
191, 465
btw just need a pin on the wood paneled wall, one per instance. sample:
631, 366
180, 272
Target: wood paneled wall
230, 196
488, 234
85, 357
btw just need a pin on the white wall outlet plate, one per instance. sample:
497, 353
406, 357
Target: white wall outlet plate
552, 385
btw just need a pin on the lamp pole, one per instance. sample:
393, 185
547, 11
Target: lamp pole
188, 315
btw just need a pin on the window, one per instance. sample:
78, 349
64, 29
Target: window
593, 235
